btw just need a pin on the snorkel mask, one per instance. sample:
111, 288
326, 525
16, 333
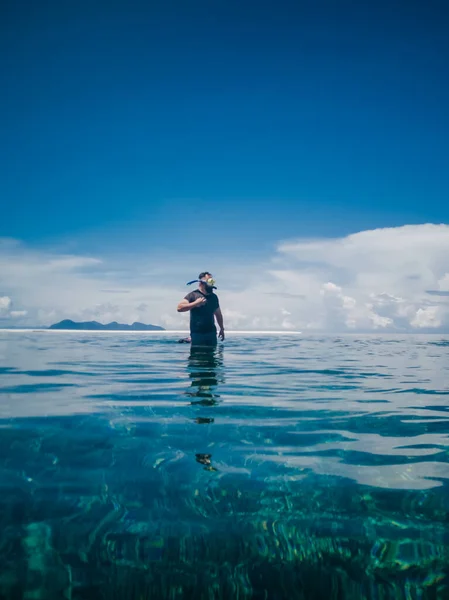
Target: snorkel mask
209, 283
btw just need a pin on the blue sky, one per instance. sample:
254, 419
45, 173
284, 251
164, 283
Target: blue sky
219, 129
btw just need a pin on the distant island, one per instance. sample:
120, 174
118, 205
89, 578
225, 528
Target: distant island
95, 326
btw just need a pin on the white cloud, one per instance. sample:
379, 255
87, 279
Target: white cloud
6, 306
45, 287
371, 280
5, 303
15, 314
426, 317
443, 283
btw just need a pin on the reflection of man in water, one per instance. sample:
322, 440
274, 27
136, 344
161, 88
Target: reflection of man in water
204, 307
204, 365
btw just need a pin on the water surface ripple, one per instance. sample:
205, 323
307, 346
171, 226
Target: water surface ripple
274, 467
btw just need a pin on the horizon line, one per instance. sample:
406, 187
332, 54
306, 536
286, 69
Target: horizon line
137, 331
227, 332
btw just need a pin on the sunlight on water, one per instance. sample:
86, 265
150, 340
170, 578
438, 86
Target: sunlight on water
273, 467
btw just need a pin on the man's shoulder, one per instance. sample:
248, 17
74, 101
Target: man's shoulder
193, 295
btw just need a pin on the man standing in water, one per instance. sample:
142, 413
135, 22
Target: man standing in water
204, 306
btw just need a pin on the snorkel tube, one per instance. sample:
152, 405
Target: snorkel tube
210, 283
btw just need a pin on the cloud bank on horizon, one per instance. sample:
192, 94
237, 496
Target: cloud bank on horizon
394, 279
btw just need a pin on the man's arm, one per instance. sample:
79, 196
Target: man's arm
219, 317
185, 305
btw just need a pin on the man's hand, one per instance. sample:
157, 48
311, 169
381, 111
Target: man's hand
220, 323
199, 302
185, 305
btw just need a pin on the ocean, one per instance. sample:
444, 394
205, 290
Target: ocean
274, 467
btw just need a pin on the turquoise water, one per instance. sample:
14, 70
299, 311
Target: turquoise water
271, 468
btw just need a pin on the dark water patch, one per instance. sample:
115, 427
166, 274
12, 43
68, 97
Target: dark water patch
6, 370
439, 343
35, 388
132, 396
423, 391
56, 373
341, 387
371, 401
436, 407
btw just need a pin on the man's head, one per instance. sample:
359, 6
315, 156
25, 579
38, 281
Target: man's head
204, 287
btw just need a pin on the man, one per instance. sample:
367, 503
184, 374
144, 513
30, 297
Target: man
204, 306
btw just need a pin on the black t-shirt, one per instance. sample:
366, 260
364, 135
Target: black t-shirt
202, 317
